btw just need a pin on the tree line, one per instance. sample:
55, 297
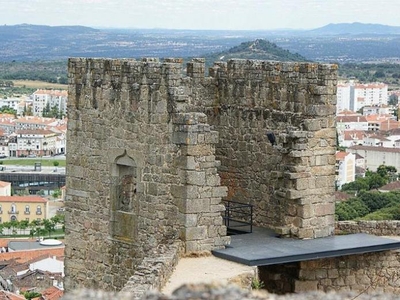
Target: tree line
368, 203
48, 71
36, 227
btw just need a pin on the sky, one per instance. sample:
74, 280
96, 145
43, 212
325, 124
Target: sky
200, 14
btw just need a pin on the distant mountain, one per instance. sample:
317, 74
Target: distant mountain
362, 42
258, 49
356, 29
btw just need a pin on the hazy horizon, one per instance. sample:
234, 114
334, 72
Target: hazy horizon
199, 14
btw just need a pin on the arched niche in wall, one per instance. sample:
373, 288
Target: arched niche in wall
124, 205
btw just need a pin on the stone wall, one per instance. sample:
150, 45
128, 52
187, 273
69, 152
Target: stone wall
290, 181
154, 271
379, 228
140, 172
151, 154
363, 273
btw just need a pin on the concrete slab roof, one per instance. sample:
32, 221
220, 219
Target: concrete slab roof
262, 247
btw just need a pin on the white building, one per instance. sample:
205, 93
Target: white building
355, 122
377, 141
36, 142
42, 98
50, 264
376, 156
348, 138
343, 97
368, 95
11, 102
345, 166
379, 110
33, 123
354, 96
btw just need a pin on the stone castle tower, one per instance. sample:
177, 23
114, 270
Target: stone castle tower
152, 153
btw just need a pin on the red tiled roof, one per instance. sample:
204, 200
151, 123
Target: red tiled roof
28, 255
341, 196
5, 295
350, 135
32, 199
393, 186
347, 112
35, 120
353, 119
52, 293
341, 155
370, 86
35, 131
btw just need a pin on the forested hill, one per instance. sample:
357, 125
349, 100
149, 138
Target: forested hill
258, 49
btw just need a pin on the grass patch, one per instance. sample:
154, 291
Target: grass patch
31, 162
36, 84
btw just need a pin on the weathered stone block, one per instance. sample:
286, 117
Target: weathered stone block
305, 286
197, 205
195, 178
195, 233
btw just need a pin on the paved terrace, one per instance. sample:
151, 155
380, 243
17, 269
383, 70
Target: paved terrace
262, 247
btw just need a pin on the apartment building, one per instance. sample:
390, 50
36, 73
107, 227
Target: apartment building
353, 96
52, 98
343, 97
368, 95
40, 142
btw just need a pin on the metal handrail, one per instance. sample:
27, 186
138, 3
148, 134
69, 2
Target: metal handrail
237, 216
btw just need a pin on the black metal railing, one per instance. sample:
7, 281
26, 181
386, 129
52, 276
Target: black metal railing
238, 217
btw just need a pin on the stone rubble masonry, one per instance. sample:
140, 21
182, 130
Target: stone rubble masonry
154, 271
370, 272
379, 228
291, 183
363, 273
152, 153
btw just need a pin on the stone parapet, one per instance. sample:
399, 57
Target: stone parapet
379, 228
154, 271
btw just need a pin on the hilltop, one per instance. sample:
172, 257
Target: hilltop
258, 49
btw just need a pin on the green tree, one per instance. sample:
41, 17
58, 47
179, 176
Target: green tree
376, 181
56, 194
358, 185
49, 226
36, 226
31, 295
56, 163
23, 224
387, 172
7, 225
351, 209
